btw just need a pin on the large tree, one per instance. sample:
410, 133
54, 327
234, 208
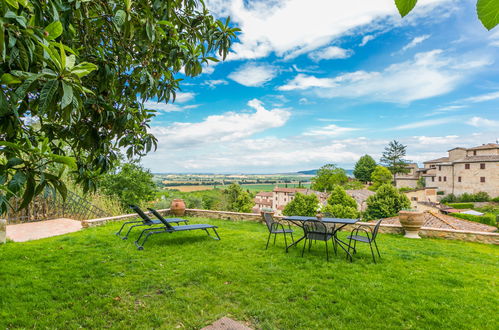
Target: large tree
129, 183
75, 75
238, 199
327, 177
393, 157
364, 168
380, 176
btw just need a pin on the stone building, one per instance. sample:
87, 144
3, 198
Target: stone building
465, 170
410, 179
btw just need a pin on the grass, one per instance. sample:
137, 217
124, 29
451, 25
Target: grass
92, 279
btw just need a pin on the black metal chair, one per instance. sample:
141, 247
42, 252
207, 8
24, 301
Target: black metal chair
146, 221
273, 228
316, 230
370, 238
168, 228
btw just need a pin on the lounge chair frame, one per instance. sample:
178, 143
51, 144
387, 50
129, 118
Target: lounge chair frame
168, 228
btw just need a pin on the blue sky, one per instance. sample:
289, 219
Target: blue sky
312, 82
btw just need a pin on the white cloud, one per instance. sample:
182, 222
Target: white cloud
221, 128
168, 107
366, 39
329, 130
329, 53
482, 98
414, 42
180, 97
432, 140
302, 81
293, 27
428, 74
426, 123
483, 122
494, 39
445, 109
253, 75
214, 83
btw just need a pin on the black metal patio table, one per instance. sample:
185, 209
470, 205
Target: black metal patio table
299, 220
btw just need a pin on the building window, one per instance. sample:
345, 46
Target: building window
458, 179
445, 178
432, 179
466, 166
432, 166
474, 152
482, 179
414, 199
439, 178
482, 166
439, 167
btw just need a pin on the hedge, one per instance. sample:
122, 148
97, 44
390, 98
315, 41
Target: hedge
461, 206
487, 219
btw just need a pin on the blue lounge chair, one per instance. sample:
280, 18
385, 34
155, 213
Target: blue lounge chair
146, 221
168, 228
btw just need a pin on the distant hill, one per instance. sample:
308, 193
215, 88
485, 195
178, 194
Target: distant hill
314, 172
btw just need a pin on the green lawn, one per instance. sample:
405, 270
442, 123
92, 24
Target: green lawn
92, 279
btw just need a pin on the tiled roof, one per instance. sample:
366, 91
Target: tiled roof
438, 160
442, 221
473, 159
262, 202
265, 194
486, 146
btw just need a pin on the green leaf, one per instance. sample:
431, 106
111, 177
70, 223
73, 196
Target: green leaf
128, 5
405, 6
488, 13
2, 42
83, 69
29, 193
70, 62
54, 30
17, 182
119, 18
66, 160
67, 97
14, 161
9, 79
47, 94
13, 3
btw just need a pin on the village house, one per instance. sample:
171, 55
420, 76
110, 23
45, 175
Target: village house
276, 200
465, 170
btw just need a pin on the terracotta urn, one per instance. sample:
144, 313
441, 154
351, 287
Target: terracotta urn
319, 216
412, 221
178, 207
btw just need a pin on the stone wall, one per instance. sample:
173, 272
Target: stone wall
102, 221
471, 236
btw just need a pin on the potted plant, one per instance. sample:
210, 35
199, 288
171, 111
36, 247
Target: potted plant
412, 220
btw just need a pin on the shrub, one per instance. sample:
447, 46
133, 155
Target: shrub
341, 211
340, 197
305, 205
488, 219
404, 189
387, 202
440, 193
380, 176
495, 199
450, 198
461, 206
